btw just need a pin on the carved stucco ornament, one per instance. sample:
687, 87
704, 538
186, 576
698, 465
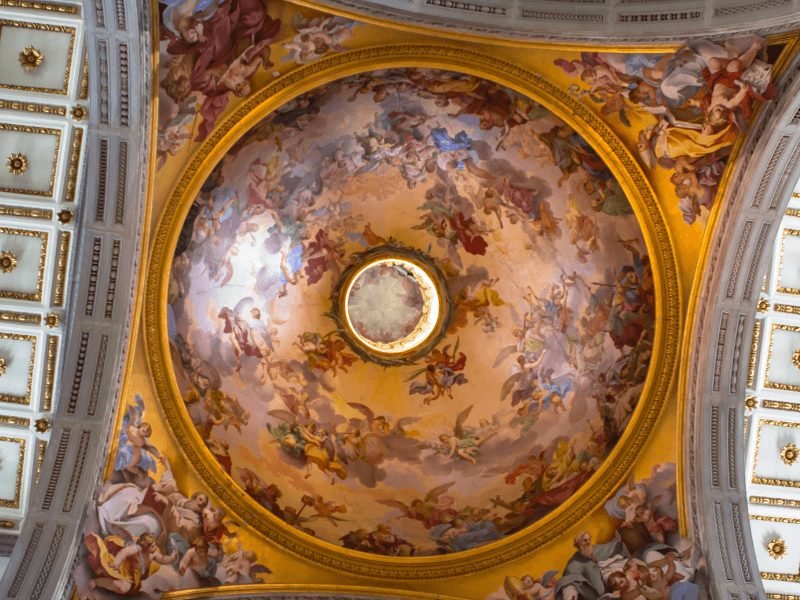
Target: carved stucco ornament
3, 367
789, 454
30, 58
8, 261
777, 548
17, 163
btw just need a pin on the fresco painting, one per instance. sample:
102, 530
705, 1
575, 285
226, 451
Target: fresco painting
144, 535
696, 100
645, 559
210, 52
544, 358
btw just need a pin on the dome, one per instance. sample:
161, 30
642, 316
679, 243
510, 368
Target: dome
329, 232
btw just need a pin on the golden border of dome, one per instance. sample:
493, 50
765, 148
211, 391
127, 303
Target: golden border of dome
657, 239
299, 589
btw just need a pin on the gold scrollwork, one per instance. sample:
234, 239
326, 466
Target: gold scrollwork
36, 5
766, 576
3, 367
7, 316
753, 360
62, 257
767, 501
49, 372
33, 107
74, 163
781, 405
24, 212
581, 118
30, 58
14, 421
41, 451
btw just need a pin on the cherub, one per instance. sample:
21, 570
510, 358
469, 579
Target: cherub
135, 456
121, 567
441, 374
241, 566
464, 443
434, 509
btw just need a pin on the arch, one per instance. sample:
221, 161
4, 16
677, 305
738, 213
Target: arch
715, 361
96, 345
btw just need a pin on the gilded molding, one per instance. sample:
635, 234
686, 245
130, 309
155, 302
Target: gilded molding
33, 107
24, 212
36, 295
74, 163
14, 503
40, 130
7, 316
622, 164
62, 258
767, 501
766, 576
253, 591
787, 308
753, 360
781, 405
53, 29
46, 6
49, 372
14, 421
84, 91
771, 519
41, 451
26, 399
782, 597
6, 524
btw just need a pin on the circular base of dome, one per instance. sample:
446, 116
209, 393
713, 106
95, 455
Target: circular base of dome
391, 304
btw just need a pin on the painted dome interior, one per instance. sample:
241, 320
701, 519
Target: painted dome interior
543, 356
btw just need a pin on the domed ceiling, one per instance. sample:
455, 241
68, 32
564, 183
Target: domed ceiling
505, 406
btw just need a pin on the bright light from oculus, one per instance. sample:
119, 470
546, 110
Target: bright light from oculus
392, 305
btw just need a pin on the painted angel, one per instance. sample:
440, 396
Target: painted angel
136, 458
464, 442
442, 373
434, 509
